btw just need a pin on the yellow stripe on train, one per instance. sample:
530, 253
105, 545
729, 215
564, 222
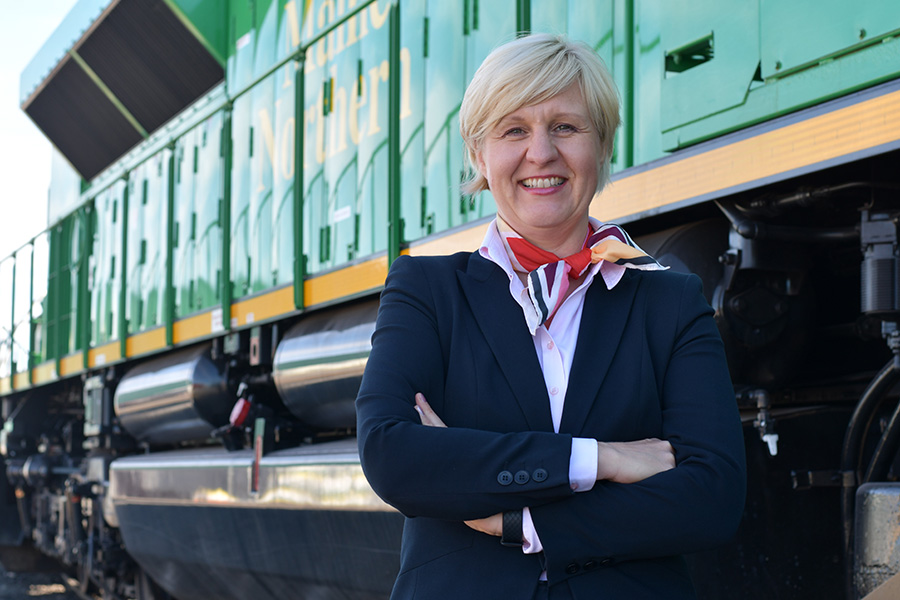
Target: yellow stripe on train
867, 124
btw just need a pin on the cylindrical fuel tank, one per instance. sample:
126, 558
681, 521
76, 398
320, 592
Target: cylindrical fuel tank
319, 365
180, 397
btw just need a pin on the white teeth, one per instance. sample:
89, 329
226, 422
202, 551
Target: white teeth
542, 182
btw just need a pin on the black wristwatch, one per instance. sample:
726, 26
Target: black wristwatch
512, 528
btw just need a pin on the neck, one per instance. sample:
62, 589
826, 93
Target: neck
561, 241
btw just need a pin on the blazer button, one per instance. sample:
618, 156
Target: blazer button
572, 568
590, 565
605, 561
539, 475
505, 478
522, 477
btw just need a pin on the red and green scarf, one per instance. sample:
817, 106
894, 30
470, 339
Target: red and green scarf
549, 275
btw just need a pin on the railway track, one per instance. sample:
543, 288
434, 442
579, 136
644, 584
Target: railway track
43, 584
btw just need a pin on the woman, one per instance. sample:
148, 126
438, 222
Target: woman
551, 427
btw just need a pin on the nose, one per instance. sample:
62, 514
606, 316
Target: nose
541, 148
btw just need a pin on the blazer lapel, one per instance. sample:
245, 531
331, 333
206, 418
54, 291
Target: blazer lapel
500, 319
602, 325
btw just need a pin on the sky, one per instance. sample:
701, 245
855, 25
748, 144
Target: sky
24, 151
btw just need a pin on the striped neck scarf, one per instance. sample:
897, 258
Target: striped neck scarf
548, 275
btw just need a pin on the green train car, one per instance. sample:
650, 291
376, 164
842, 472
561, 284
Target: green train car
180, 350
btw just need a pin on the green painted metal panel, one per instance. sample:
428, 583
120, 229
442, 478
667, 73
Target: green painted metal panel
416, 221
197, 235
105, 281
262, 206
243, 140
261, 33
39, 296
445, 79
241, 45
21, 332
801, 33
643, 41
808, 83
146, 272
267, 14
711, 53
592, 22
80, 278
62, 332
460, 35
345, 154
207, 21
7, 271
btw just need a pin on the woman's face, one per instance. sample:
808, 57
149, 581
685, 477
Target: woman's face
541, 164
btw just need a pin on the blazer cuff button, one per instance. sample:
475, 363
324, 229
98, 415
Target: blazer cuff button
504, 478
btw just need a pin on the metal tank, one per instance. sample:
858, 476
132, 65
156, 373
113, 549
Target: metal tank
180, 397
319, 364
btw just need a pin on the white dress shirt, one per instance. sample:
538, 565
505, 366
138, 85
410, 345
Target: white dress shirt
555, 347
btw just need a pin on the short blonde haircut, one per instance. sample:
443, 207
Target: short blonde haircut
528, 71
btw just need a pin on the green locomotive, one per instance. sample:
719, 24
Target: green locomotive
180, 350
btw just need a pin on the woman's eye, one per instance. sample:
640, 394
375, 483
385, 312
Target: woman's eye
514, 131
565, 127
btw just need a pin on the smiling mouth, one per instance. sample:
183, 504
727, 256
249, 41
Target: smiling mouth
543, 182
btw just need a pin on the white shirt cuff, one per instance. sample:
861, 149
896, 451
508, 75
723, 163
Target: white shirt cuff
531, 543
583, 464
582, 475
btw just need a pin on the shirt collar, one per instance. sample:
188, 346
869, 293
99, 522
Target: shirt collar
492, 249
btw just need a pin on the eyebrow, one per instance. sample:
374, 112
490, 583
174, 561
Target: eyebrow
555, 117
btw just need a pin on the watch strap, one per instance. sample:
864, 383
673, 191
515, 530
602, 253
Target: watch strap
512, 528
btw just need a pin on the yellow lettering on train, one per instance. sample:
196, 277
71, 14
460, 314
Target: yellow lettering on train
323, 20
376, 74
336, 41
378, 19
293, 23
307, 18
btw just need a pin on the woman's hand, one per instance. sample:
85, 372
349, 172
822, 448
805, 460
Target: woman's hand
426, 414
492, 525
630, 462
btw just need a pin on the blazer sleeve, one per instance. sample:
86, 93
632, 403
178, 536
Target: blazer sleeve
448, 473
695, 506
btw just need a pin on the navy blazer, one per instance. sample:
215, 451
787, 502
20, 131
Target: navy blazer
649, 362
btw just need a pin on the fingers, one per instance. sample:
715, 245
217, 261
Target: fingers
426, 414
492, 525
630, 462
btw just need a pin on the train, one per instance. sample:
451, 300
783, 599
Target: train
181, 348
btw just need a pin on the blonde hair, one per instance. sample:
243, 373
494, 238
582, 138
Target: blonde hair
528, 71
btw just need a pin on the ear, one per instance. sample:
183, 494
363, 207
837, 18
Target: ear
479, 162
